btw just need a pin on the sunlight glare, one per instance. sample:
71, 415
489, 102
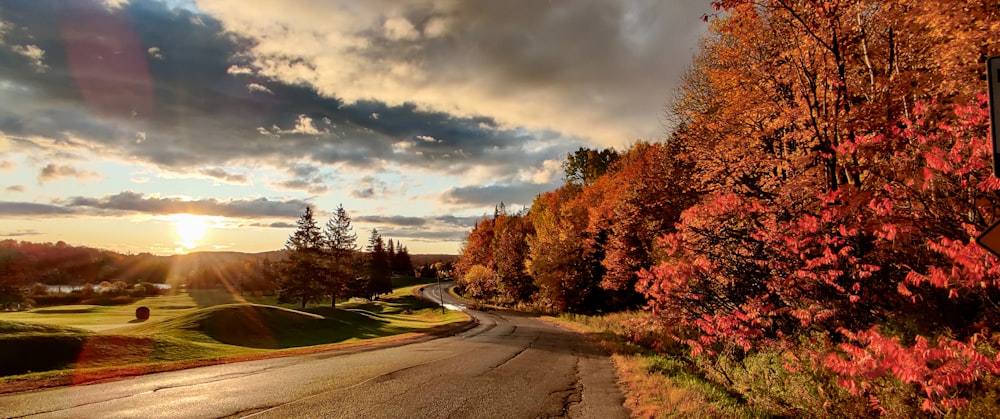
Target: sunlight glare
190, 229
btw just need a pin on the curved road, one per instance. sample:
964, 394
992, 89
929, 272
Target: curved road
508, 366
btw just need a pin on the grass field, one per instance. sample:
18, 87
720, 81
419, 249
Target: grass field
198, 326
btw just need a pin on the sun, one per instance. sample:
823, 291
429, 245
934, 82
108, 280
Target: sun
190, 229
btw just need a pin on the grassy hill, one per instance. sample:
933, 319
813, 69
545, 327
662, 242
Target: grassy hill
43, 340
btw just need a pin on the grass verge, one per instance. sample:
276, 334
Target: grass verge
655, 385
34, 355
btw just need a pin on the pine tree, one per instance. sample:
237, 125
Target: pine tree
401, 263
301, 275
378, 265
341, 243
391, 256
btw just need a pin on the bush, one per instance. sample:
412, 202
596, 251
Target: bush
56, 300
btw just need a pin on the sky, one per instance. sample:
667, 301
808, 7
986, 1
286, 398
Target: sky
177, 126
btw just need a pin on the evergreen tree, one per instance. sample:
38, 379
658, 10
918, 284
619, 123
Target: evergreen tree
341, 243
391, 250
301, 275
401, 263
378, 265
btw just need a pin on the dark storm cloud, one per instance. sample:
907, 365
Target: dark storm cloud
31, 208
513, 194
139, 203
164, 85
595, 69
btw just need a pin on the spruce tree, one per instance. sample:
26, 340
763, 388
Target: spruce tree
302, 273
341, 243
379, 281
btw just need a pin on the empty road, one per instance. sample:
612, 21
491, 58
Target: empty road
508, 366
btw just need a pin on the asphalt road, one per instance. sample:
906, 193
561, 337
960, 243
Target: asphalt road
508, 366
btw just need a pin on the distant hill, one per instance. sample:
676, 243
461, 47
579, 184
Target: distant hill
26, 263
420, 260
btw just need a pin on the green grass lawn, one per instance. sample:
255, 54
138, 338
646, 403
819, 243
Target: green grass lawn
199, 325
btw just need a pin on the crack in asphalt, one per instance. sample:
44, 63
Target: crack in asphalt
510, 358
572, 394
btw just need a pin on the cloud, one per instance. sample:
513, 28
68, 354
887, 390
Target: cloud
612, 63
34, 54
277, 224
225, 176
133, 202
424, 235
458, 221
31, 208
154, 52
258, 88
6, 166
16, 188
53, 172
203, 103
395, 220
20, 233
306, 178
368, 187
512, 194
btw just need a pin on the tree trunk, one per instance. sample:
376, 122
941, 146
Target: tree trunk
303, 302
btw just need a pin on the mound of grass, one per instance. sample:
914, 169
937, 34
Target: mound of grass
26, 347
178, 332
249, 325
269, 327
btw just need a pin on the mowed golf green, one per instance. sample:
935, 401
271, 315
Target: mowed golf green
196, 326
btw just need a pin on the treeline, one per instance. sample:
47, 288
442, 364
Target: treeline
815, 210
25, 263
325, 263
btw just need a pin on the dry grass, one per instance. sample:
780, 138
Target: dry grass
656, 386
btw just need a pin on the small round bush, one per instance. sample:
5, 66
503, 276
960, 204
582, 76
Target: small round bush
142, 313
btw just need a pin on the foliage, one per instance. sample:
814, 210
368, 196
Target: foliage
827, 176
378, 267
342, 271
585, 165
479, 282
302, 274
564, 259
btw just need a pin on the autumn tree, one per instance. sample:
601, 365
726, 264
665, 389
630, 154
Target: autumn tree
302, 274
564, 259
510, 254
585, 165
844, 178
633, 206
477, 250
